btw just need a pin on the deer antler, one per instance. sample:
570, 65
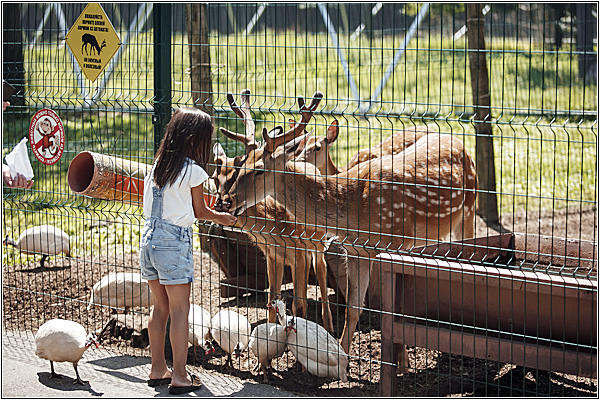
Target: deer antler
274, 141
243, 112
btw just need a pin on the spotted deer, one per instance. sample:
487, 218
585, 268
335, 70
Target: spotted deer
391, 203
283, 239
316, 149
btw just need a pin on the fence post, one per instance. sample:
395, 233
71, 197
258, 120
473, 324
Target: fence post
484, 147
162, 69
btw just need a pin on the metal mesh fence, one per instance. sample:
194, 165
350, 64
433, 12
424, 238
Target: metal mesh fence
487, 271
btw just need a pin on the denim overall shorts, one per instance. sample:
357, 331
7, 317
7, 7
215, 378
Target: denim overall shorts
165, 248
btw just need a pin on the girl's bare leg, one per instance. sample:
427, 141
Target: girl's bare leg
179, 306
157, 324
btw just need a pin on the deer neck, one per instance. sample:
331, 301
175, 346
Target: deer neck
332, 169
315, 200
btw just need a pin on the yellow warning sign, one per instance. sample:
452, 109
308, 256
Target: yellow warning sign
93, 40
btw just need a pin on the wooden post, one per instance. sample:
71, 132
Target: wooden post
486, 170
197, 29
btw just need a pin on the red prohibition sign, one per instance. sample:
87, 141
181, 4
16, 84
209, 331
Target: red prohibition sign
47, 136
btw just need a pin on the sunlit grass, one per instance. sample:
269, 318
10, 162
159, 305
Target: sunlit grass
543, 116
96, 230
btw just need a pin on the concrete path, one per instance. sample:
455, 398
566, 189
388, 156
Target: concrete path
110, 375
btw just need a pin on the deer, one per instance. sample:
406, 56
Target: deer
275, 230
316, 149
92, 41
387, 204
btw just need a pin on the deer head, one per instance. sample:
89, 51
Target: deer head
315, 150
261, 157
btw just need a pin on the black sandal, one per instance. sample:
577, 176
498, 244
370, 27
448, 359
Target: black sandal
159, 381
196, 384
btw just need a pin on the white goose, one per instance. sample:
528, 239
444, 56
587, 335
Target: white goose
61, 340
231, 331
267, 342
43, 239
313, 346
121, 290
199, 323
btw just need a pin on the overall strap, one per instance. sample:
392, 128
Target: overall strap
157, 202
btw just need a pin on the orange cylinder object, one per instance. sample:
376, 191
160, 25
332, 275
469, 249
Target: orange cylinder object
111, 178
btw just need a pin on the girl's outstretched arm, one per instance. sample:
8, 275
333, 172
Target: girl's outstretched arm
205, 213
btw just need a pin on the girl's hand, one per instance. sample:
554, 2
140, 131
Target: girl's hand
225, 218
205, 213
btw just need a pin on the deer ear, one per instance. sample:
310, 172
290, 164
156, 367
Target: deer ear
332, 132
270, 138
218, 151
267, 139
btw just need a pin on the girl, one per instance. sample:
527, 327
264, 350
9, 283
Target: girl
173, 196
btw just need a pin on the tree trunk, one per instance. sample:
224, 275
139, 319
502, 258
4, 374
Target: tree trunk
484, 154
197, 29
585, 44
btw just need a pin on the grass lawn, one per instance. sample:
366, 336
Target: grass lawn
544, 117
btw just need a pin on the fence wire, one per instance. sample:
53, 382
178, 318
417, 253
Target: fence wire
462, 237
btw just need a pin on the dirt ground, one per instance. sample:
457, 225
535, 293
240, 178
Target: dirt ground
32, 296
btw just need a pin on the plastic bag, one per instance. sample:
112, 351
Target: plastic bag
18, 161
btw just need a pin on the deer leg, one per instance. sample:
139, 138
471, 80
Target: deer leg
321, 271
402, 356
469, 222
358, 282
275, 278
465, 224
300, 276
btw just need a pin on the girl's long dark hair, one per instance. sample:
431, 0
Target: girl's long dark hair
188, 134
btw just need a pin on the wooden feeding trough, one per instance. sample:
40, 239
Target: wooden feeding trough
521, 299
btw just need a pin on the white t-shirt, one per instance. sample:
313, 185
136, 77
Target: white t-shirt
177, 198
